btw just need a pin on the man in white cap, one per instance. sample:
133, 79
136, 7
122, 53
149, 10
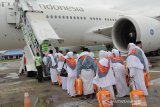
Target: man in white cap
52, 64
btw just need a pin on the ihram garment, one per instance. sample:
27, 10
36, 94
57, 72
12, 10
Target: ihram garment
53, 68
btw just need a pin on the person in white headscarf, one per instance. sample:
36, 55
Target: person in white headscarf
72, 74
144, 60
61, 60
136, 68
52, 64
86, 69
104, 77
120, 74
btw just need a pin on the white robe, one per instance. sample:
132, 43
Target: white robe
106, 82
54, 75
145, 59
121, 84
139, 79
64, 83
87, 76
136, 71
72, 75
64, 79
60, 64
53, 72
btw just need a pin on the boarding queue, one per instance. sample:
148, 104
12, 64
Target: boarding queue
107, 72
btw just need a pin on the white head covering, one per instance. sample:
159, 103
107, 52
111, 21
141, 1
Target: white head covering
78, 55
115, 52
131, 46
102, 54
82, 54
109, 54
70, 54
60, 54
104, 62
91, 54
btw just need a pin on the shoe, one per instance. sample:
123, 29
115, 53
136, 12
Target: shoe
93, 96
88, 96
55, 83
83, 98
73, 96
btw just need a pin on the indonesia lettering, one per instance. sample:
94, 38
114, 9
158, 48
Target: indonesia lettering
63, 8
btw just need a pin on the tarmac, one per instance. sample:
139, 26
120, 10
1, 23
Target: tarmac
13, 87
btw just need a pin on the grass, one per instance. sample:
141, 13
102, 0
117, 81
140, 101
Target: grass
12, 60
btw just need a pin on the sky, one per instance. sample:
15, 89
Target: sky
143, 7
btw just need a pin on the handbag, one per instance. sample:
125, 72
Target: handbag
63, 71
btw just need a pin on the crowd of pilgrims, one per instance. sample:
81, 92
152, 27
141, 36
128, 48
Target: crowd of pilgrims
109, 71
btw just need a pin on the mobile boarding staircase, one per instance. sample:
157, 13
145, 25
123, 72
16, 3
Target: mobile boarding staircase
36, 30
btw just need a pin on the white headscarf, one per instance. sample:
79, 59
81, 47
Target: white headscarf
82, 54
60, 54
131, 46
104, 62
102, 54
109, 54
115, 52
70, 54
91, 54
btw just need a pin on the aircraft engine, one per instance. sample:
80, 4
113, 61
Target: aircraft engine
134, 28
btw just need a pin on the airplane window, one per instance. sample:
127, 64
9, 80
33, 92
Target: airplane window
66, 17
108, 19
47, 16
93, 18
51, 16
105, 19
99, 18
70, 17
112, 19
84, 18
59, 17
81, 18
63, 17
77, 17
90, 18
54, 16
96, 18
74, 17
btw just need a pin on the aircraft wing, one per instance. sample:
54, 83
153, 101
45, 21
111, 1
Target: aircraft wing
104, 31
157, 17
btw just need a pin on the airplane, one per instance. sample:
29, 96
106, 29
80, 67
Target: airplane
83, 26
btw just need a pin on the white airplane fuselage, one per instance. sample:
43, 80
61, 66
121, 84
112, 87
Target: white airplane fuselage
74, 24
